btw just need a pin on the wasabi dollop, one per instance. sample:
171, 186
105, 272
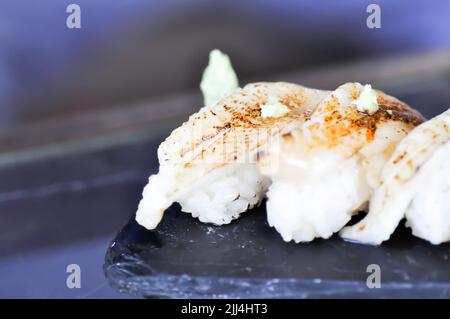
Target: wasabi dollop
367, 100
219, 78
274, 108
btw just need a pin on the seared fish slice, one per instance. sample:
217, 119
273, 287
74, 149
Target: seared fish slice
326, 170
208, 164
415, 183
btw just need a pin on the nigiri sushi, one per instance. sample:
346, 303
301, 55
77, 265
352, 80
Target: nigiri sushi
208, 165
415, 184
327, 169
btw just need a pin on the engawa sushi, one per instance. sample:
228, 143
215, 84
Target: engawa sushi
319, 156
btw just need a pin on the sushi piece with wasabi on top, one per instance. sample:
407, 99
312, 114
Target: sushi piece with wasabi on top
208, 164
415, 184
327, 169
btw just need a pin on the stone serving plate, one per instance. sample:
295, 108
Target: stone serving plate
184, 258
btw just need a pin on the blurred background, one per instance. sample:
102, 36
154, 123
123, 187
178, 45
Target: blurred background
133, 50
83, 110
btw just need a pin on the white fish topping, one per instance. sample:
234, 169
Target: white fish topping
219, 78
412, 182
208, 165
367, 100
274, 108
327, 169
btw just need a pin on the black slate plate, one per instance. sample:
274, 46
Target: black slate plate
184, 258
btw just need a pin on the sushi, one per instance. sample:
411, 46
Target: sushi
415, 184
208, 165
327, 169
319, 157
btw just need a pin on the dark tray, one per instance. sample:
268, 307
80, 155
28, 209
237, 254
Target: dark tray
248, 259
184, 258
